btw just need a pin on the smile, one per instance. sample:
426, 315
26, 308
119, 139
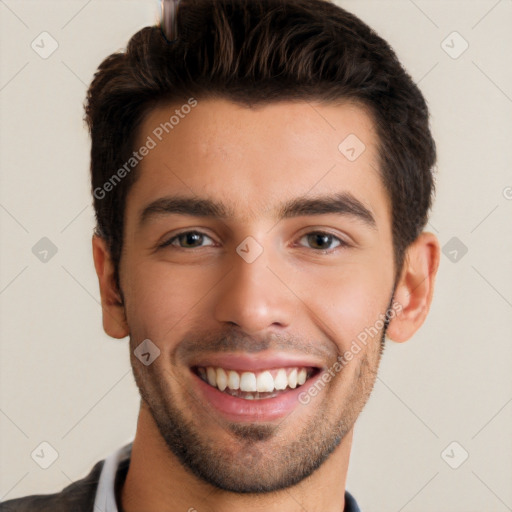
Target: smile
254, 385
252, 388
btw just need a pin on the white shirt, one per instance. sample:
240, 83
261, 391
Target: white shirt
105, 500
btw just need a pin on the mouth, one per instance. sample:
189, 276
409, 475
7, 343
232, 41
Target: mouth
255, 385
243, 389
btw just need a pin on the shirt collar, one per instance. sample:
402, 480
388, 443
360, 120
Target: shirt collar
105, 500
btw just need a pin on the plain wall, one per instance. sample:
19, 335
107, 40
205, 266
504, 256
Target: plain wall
64, 381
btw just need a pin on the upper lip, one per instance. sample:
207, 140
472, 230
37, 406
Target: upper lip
255, 362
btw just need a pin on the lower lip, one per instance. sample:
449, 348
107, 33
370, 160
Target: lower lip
239, 409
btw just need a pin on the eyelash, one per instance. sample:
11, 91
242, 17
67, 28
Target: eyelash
342, 243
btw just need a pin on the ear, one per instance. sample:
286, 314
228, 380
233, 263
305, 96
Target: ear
114, 317
415, 287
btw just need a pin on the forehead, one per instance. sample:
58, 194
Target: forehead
251, 159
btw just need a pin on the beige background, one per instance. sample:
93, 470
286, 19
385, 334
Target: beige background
65, 382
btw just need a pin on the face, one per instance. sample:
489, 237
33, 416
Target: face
255, 254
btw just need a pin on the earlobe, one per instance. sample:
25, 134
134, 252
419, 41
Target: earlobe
114, 317
415, 288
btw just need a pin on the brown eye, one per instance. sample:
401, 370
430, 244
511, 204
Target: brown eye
187, 240
322, 241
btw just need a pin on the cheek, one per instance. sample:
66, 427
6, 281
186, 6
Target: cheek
162, 299
349, 305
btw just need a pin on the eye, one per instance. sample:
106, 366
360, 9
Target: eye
321, 241
186, 240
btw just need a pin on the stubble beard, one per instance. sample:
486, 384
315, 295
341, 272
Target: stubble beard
260, 458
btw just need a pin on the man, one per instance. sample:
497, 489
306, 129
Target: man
261, 185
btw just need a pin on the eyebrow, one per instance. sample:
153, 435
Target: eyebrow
343, 203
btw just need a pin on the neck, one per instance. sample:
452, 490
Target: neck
156, 480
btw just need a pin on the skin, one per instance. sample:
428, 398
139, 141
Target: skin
290, 298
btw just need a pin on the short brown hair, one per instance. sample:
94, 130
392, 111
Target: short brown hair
258, 52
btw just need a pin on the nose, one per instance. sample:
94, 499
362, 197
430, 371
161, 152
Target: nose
255, 297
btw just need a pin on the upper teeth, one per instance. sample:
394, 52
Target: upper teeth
264, 381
